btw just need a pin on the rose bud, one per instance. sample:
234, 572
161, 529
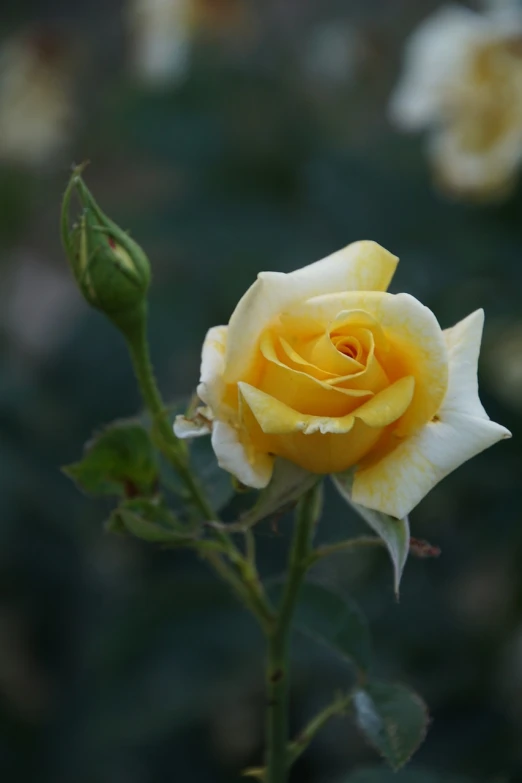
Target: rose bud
111, 269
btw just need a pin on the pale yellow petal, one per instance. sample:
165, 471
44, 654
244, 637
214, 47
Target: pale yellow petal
191, 428
360, 266
363, 333
318, 445
348, 320
235, 455
388, 405
399, 481
301, 391
211, 383
463, 342
416, 344
372, 375
323, 353
326, 453
294, 360
276, 418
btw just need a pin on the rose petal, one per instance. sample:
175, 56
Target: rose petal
323, 353
417, 345
398, 482
463, 341
253, 468
294, 360
359, 266
388, 405
191, 428
276, 418
316, 451
301, 391
211, 385
320, 444
321, 350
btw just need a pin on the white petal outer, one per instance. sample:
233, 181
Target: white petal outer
397, 483
361, 266
462, 429
436, 55
212, 367
463, 342
188, 428
232, 455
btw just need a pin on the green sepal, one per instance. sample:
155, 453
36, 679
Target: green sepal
394, 532
286, 486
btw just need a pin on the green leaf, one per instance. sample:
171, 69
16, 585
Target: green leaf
392, 718
336, 621
286, 486
415, 775
394, 532
120, 460
149, 520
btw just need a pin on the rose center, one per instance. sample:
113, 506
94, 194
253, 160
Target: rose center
349, 346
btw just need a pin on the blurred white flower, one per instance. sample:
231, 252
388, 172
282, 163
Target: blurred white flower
462, 81
160, 33
36, 110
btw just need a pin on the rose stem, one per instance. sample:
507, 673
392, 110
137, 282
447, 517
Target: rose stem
277, 760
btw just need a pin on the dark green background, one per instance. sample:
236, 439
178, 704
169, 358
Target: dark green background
122, 664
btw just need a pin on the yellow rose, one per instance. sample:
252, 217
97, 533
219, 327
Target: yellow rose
323, 367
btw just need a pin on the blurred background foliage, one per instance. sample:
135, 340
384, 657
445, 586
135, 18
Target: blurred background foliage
270, 149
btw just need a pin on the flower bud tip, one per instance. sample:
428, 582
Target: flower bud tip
110, 268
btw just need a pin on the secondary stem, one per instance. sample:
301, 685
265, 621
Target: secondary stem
166, 440
245, 584
279, 642
300, 744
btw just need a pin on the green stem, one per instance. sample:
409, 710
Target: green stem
244, 590
135, 334
245, 582
279, 642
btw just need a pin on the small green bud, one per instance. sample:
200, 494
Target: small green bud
112, 271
